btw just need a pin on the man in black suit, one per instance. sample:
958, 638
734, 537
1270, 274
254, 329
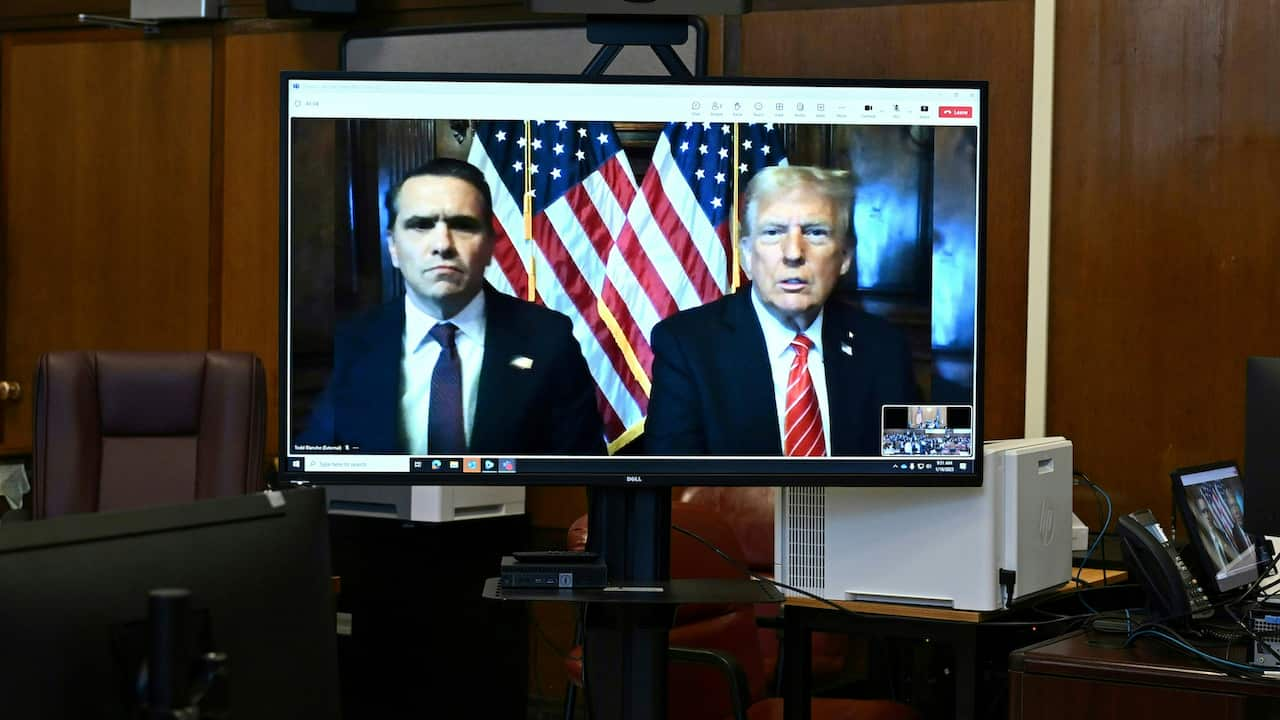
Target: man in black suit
454, 366
783, 368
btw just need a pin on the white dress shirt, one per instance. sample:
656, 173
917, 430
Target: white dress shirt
777, 342
419, 361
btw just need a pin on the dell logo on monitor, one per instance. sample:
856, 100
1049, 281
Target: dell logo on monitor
634, 479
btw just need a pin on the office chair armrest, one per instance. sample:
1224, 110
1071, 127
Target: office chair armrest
774, 622
728, 665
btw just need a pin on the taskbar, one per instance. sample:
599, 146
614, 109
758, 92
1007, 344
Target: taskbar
627, 469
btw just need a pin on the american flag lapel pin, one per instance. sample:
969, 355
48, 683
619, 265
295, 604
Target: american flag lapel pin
520, 362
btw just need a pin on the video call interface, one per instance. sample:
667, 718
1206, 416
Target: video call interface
665, 279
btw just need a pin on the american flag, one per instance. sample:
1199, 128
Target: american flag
614, 255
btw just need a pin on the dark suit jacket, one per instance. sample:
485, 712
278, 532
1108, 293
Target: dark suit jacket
713, 389
549, 408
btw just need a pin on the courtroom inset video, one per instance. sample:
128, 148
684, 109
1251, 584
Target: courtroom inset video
927, 430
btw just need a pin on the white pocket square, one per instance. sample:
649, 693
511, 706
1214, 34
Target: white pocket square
521, 362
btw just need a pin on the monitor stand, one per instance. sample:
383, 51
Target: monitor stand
625, 645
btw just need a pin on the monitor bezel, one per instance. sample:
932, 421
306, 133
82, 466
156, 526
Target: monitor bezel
1261, 462
707, 474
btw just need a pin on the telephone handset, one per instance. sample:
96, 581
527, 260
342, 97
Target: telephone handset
1174, 592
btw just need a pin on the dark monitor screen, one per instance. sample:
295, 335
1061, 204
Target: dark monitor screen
1211, 500
526, 280
74, 593
1261, 458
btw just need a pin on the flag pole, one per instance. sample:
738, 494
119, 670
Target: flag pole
528, 212
733, 224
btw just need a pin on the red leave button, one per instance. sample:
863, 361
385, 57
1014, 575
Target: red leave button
955, 111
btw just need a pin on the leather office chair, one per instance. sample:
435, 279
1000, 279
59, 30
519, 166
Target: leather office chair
703, 689
749, 512
123, 430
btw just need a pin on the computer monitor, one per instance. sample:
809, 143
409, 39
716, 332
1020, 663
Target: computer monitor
1261, 459
1211, 501
624, 207
74, 604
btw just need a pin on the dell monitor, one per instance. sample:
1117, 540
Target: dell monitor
627, 282
74, 605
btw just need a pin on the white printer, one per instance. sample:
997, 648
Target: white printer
975, 548
426, 503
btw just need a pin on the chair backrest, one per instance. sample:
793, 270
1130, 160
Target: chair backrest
748, 510
696, 691
123, 430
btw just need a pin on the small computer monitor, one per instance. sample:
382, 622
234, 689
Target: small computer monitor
1211, 501
74, 605
1261, 459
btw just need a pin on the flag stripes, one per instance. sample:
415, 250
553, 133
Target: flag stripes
614, 255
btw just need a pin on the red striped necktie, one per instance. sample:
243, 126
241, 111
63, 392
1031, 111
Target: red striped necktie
804, 436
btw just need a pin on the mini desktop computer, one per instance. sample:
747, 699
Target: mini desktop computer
966, 548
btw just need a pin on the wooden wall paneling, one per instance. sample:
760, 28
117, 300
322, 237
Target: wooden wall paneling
105, 172
956, 40
247, 190
1165, 252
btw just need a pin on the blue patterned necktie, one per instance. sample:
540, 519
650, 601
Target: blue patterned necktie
446, 433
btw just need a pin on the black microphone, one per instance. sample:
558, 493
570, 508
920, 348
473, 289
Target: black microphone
168, 657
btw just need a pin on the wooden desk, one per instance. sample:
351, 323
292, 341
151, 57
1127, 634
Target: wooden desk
1089, 675
959, 628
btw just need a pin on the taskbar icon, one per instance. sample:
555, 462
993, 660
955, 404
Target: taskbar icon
447, 465
436, 465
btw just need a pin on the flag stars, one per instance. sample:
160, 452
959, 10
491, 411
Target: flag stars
719, 178
580, 155
688, 124
684, 146
716, 202
562, 125
582, 132
517, 166
706, 126
700, 173
521, 142
555, 173
604, 139
501, 135
702, 149
723, 153
558, 148
742, 168
533, 168
768, 127
725, 129
537, 144
764, 149
746, 144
